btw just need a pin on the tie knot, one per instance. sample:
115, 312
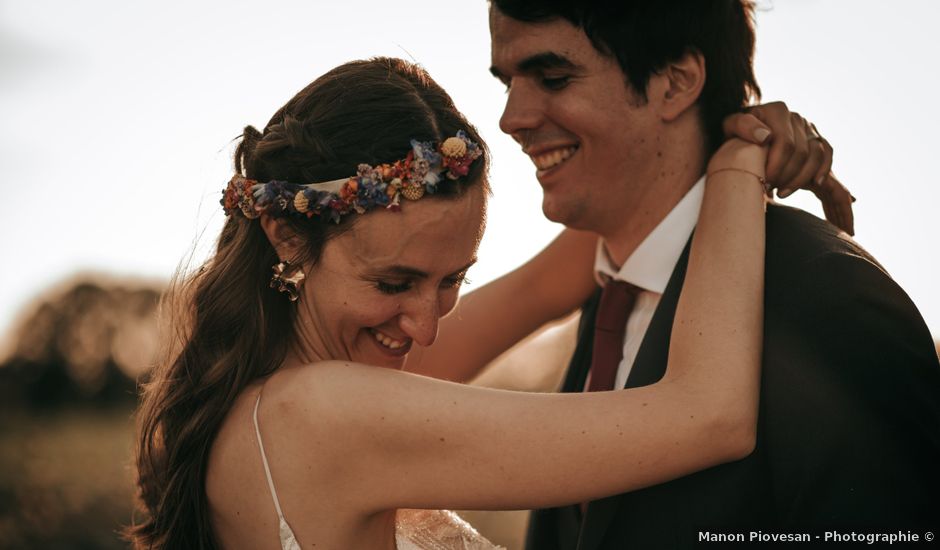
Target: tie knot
621, 288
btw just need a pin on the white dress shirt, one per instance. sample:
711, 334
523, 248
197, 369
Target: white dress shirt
649, 267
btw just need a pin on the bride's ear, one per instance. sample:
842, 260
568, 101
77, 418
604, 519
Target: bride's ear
285, 242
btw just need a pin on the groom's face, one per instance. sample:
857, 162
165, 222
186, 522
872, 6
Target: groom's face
570, 108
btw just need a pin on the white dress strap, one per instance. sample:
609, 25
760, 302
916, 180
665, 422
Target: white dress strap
288, 540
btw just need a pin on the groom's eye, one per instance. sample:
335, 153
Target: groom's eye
555, 82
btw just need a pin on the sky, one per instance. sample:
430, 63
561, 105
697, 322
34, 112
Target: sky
117, 120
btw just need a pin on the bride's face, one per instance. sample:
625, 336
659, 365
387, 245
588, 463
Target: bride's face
384, 284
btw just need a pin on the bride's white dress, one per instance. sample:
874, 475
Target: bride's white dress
414, 529
437, 530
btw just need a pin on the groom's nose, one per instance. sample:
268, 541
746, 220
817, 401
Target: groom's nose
523, 110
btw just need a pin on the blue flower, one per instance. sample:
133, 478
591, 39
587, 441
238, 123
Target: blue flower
371, 194
425, 151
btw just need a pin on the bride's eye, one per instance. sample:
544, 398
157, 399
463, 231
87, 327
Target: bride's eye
455, 282
392, 288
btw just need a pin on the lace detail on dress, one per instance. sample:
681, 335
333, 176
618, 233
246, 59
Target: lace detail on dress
437, 530
288, 540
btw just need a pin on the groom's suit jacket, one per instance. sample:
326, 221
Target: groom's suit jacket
849, 423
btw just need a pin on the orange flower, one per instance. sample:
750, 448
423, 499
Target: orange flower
386, 171
349, 190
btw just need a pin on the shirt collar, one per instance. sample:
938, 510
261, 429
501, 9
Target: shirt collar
652, 263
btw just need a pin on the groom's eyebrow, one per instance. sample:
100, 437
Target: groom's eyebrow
537, 63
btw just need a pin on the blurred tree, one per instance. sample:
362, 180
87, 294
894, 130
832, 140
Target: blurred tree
88, 341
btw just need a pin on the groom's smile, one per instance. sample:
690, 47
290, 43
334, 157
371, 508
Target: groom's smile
547, 158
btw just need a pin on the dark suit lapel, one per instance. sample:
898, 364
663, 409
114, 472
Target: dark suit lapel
581, 359
648, 367
650, 363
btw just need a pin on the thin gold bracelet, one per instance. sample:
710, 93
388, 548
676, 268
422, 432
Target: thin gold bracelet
761, 179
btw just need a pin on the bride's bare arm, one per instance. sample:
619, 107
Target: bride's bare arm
384, 439
491, 319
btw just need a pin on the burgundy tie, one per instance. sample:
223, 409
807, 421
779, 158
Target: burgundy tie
610, 325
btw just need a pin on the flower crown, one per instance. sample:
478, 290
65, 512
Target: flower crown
384, 185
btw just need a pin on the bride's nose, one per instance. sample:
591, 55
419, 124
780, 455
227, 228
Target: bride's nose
420, 316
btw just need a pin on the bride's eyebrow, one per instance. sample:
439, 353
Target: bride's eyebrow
415, 273
464, 268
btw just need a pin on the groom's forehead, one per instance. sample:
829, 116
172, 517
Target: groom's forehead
505, 28
527, 47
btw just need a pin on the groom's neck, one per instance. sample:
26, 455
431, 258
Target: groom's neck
680, 168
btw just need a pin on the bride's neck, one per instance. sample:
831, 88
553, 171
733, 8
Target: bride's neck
307, 346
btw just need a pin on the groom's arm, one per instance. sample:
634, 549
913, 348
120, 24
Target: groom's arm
851, 411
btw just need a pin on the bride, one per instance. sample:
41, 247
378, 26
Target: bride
284, 418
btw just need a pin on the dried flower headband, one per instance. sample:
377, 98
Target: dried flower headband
384, 185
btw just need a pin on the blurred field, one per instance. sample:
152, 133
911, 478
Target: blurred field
64, 478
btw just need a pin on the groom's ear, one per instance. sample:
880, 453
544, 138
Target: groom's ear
680, 85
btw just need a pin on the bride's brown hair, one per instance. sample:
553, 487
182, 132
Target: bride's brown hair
227, 327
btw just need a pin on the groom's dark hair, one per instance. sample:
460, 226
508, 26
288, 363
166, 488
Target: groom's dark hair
645, 35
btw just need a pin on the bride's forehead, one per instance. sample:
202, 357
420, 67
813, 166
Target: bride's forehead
426, 234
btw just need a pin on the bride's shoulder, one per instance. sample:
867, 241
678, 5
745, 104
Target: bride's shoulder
324, 396
325, 381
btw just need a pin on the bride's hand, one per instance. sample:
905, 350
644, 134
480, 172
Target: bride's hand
740, 155
799, 158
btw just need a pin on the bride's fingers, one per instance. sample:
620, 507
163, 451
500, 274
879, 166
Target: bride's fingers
827, 152
805, 178
745, 126
785, 180
811, 157
837, 203
845, 201
827, 208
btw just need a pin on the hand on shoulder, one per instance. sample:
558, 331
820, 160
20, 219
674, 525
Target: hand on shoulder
738, 154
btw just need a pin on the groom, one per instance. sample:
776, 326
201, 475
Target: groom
619, 105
